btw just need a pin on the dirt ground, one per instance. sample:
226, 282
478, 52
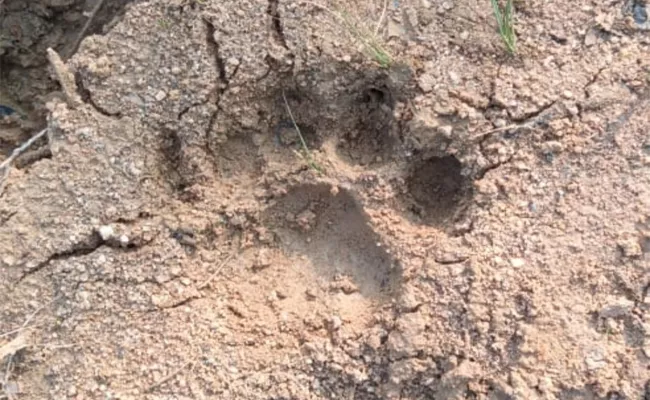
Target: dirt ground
467, 224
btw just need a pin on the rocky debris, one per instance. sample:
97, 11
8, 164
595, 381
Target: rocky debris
618, 308
552, 147
305, 220
29, 28
263, 260
106, 232
310, 294
344, 284
408, 337
630, 247
335, 323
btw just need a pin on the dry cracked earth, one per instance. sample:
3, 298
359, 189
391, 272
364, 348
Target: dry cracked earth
466, 224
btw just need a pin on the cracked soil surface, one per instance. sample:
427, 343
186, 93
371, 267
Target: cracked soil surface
474, 226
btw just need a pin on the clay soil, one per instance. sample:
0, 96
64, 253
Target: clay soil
467, 224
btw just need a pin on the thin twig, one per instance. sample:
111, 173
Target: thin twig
381, 18
30, 317
305, 149
295, 125
6, 378
495, 130
527, 125
49, 346
18, 347
168, 377
219, 268
6, 164
8, 371
22, 148
83, 30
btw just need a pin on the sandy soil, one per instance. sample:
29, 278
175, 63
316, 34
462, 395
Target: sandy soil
467, 224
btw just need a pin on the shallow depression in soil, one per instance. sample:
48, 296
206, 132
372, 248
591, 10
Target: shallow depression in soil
370, 141
330, 229
438, 190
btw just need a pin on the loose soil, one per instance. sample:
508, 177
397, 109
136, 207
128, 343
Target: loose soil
465, 225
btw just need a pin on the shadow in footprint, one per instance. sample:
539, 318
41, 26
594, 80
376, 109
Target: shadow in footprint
370, 141
437, 191
332, 231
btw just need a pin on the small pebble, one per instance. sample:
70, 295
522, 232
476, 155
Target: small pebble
9, 261
161, 95
11, 388
446, 130
124, 240
310, 294
5, 111
552, 146
640, 13
106, 232
336, 322
517, 262
499, 123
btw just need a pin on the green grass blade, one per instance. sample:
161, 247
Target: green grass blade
505, 22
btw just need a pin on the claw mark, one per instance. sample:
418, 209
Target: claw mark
87, 98
489, 168
535, 114
85, 247
276, 22
592, 81
215, 50
214, 47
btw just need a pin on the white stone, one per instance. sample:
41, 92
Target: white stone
161, 95
106, 232
124, 240
517, 262
446, 130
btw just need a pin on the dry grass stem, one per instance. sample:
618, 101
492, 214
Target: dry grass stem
6, 164
305, 149
381, 18
84, 29
168, 377
218, 270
